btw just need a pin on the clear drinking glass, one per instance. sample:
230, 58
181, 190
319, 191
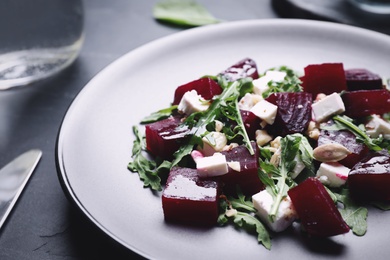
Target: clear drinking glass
373, 6
38, 38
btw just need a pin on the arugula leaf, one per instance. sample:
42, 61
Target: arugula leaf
290, 83
148, 170
243, 217
346, 123
159, 115
354, 215
183, 13
224, 104
278, 179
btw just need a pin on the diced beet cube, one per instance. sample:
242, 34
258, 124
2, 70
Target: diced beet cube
366, 102
347, 139
242, 69
362, 79
324, 78
251, 123
206, 87
247, 178
189, 199
369, 180
316, 209
164, 137
294, 112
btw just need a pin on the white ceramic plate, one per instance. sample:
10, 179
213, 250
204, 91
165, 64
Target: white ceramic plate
95, 140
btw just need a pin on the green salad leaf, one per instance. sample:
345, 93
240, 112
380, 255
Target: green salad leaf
148, 170
223, 106
354, 215
278, 179
240, 212
159, 115
290, 83
346, 123
183, 13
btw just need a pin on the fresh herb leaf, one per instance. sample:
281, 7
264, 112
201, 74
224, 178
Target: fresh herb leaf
224, 105
243, 217
159, 115
148, 170
278, 179
290, 83
183, 13
354, 215
346, 123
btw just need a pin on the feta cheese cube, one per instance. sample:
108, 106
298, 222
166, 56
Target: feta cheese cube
248, 101
265, 111
262, 137
210, 166
377, 126
192, 102
285, 216
213, 142
333, 174
327, 107
260, 85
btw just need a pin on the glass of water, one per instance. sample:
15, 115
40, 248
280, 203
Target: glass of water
39, 38
373, 6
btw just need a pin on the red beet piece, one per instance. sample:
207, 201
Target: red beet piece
251, 123
247, 178
362, 79
324, 78
294, 112
348, 140
190, 200
242, 69
206, 87
164, 137
316, 210
369, 180
366, 102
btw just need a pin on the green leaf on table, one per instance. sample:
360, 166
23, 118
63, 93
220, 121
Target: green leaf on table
183, 13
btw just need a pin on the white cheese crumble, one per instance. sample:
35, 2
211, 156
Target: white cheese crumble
285, 216
333, 174
210, 166
265, 111
260, 85
377, 126
329, 106
191, 102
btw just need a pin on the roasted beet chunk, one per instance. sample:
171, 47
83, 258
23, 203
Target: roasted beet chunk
164, 137
206, 87
362, 79
369, 180
347, 139
294, 112
190, 200
324, 78
366, 102
251, 123
242, 69
316, 210
246, 178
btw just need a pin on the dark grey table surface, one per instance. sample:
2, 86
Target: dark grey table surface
44, 224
